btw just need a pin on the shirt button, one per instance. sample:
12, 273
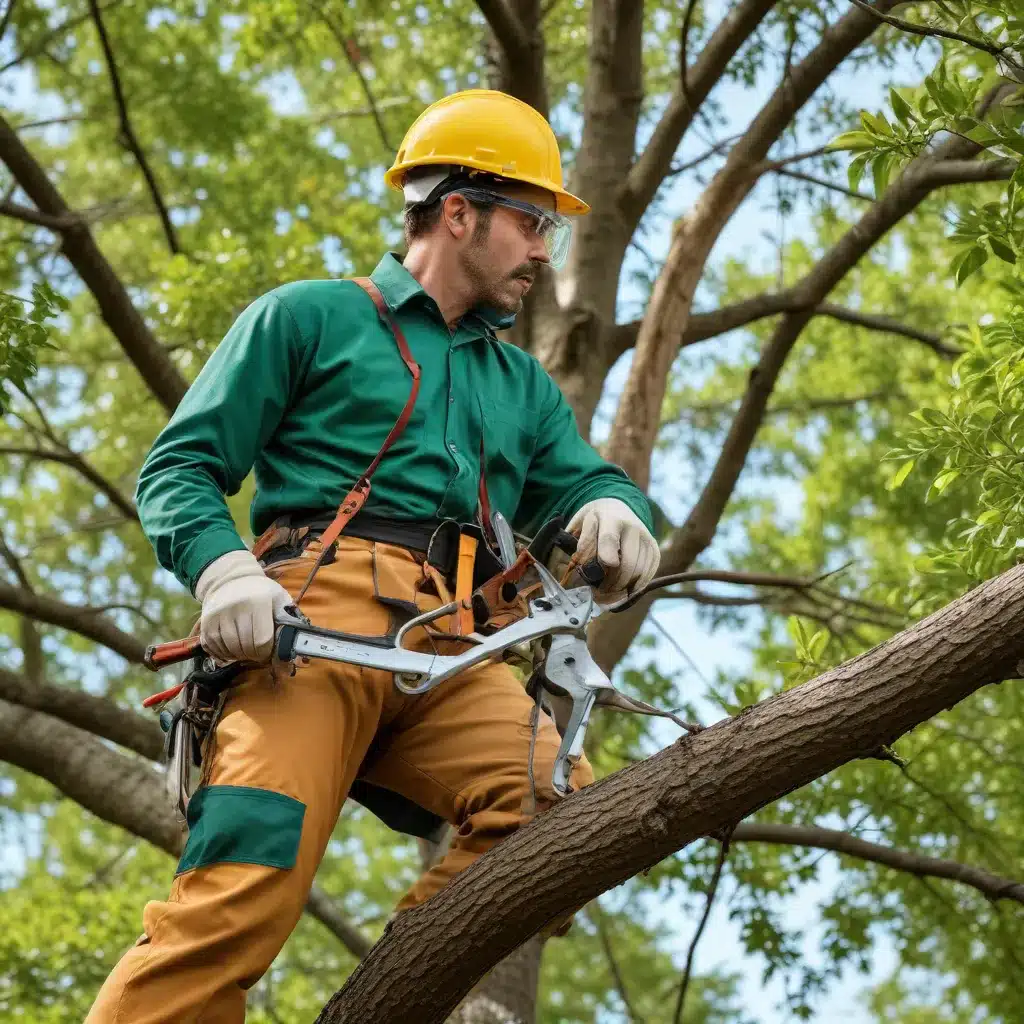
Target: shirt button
451, 398
451, 444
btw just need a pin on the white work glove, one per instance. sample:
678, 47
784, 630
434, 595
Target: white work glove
610, 530
239, 604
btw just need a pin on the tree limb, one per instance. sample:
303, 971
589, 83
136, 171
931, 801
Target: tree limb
121, 790
60, 222
992, 886
698, 786
507, 28
702, 326
637, 418
76, 461
77, 618
655, 162
128, 132
99, 716
78, 245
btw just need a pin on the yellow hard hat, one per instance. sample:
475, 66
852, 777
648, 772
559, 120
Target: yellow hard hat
488, 131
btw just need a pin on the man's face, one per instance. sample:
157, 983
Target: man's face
505, 253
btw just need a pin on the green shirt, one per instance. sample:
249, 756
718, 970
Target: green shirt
305, 387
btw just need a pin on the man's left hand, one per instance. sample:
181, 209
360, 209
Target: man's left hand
610, 530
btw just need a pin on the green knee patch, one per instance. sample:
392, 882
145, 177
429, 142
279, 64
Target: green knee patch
242, 825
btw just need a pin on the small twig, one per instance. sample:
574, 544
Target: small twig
706, 155
675, 644
347, 47
942, 33
825, 183
38, 46
712, 890
684, 32
130, 138
596, 913
48, 121
774, 165
886, 753
6, 19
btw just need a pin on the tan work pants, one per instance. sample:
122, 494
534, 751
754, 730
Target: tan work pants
283, 757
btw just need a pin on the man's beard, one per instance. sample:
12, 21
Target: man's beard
490, 288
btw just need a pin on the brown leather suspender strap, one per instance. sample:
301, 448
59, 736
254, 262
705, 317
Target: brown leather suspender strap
356, 498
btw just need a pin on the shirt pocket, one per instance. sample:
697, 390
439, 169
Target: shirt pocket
509, 432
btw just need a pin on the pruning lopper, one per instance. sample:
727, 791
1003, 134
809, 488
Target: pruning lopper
523, 613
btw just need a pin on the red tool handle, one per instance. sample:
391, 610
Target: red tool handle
159, 698
159, 656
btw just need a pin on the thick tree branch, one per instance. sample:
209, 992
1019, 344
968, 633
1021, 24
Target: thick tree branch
143, 350
79, 619
121, 790
97, 715
655, 162
78, 462
507, 28
702, 326
994, 887
128, 132
698, 786
636, 422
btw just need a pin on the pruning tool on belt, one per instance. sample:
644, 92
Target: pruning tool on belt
524, 612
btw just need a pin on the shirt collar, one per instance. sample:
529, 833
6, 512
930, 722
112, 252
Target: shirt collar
398, 287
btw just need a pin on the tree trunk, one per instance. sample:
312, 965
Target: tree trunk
508, 993
696, 787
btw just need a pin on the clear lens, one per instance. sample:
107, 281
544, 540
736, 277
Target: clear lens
554, 228
557, 238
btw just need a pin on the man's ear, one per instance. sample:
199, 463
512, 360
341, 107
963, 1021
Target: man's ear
457, 214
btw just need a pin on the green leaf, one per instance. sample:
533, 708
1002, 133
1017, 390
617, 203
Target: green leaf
852, 141
992, 515
974, 259
943, 480
1002, 250
817, 644
880, 171
856, 170
901, 474
901, 108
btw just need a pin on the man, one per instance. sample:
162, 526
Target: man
303, 391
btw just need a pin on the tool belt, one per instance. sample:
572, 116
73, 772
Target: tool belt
435, 542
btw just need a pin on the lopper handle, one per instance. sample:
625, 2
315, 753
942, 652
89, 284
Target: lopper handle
159, 656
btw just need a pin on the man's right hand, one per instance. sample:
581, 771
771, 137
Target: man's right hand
239, 604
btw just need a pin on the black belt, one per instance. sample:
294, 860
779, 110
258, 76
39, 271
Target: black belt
437, 540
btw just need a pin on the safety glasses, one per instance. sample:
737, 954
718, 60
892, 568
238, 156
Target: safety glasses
554, 229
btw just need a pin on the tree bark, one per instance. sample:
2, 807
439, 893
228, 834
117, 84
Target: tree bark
696, 787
